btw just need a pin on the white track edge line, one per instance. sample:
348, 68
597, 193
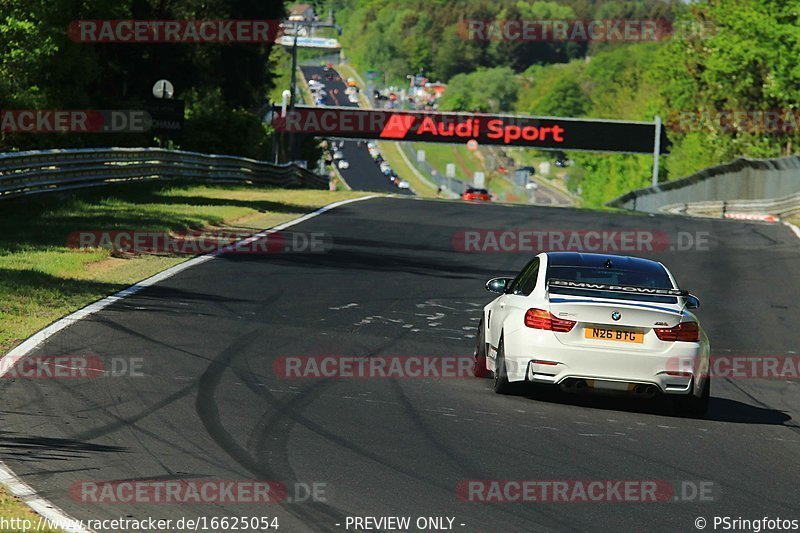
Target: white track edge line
792, 227
7, 477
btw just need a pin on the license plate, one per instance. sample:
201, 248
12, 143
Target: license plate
614, 334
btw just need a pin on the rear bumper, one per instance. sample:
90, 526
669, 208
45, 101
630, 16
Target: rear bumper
673, 371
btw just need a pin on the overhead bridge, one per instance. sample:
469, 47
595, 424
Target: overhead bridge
545, 133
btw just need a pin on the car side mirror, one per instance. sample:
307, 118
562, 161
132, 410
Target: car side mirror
498, 284
692, 302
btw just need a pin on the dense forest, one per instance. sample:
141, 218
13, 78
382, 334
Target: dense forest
721, 56
224, 86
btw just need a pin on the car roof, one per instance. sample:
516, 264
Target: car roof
625, 262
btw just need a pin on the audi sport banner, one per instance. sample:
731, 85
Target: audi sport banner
550, 133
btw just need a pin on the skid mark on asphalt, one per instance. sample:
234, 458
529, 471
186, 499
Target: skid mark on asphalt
208, 411
272, 431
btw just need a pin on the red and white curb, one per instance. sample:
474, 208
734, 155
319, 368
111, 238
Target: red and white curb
763, 217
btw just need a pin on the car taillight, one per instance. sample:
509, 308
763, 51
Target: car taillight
685, 332
541, 319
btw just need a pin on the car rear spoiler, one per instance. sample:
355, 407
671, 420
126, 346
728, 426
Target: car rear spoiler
563, 286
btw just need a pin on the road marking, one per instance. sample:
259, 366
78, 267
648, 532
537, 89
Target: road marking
7, 477
794, 228
343, 307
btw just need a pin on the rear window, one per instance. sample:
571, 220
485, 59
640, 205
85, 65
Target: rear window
656, 279
652, 278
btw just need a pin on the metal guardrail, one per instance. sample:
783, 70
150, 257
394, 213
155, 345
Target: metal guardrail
780, 207
741, 179
40, 171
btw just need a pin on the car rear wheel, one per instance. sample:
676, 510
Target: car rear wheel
479, 369
697, 406
501, 384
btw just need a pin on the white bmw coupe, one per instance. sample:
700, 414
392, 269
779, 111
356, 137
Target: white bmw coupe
595, 322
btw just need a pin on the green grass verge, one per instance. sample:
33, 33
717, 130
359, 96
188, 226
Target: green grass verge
42, 279
11, 507
439, 155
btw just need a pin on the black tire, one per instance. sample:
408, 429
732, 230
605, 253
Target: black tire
479, 369
697, 407
501, 383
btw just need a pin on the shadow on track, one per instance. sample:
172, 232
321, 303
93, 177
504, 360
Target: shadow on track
720, 409
353, 259
29, 448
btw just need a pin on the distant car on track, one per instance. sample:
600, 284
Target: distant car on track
472, 195
595, 322
343, 164
338, 154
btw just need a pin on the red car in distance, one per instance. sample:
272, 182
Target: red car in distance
476, 195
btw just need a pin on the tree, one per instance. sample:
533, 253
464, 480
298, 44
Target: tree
40, 67
564, 99
735, 56
486, 90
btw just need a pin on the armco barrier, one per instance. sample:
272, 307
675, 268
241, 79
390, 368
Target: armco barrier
781, 207
40, 171
739, 180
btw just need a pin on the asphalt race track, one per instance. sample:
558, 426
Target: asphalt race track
209, 405
363, 174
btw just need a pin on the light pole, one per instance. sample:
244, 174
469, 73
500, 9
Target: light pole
656, 150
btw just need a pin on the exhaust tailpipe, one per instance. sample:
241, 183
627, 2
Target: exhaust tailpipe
645, 390
568, 385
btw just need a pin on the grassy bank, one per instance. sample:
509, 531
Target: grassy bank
43, 279
439, 155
